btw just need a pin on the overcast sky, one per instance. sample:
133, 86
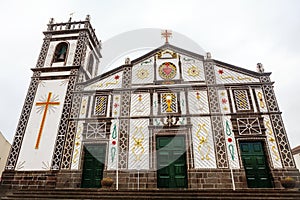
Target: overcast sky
241, 33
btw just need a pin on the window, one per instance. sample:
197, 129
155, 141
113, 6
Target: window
60, 53
90, 64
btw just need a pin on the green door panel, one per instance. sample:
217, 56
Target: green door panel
93, 166
256, 167
171, 162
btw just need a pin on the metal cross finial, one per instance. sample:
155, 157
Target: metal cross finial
166, 34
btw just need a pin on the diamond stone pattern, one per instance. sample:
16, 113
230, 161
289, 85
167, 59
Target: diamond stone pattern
213, 100
80, 49
270, 98
63, 126
265, 79
283, 144
209, 73
126, 77
124, 123
16, 146
43, 53
220, 144
69, 144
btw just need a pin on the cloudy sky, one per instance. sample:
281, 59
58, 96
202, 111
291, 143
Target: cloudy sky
241, 33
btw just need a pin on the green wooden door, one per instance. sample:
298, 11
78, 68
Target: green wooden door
171, 162
93, 166
255, 164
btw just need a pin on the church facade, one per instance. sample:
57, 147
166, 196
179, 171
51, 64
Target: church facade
168, 119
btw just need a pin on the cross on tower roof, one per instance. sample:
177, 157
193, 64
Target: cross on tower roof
166, 34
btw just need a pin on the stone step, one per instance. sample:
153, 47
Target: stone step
153, 194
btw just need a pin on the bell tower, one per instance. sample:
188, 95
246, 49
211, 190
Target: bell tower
70, 54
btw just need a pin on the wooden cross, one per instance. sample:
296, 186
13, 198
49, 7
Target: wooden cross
166, 34
46, 106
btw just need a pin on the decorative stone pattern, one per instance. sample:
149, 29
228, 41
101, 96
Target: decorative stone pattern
126, 77
138, 155
140, 104
79, 57
241, 100
232, 153
265, 79
209, 73
261, 100
116, 105
248, 126
224, 76
43, 53
270, 98
61, 136
143, 73
192, 69
283, 144
123, 143
198, 102
165, 107
83, 106
124, 126
224, 101
220, 143
113, 150
75, 106
111, 82
69, 144
272, 144
203, 143
95, 130
77, 146
213, 100
17, 143
100, 105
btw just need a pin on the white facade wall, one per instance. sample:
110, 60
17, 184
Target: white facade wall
5, 147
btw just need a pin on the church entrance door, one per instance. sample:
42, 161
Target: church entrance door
255, 164
171, 162
93, 166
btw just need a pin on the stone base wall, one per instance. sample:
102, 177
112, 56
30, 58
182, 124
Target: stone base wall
69, 179
216, 179
133, 179
29, 179
282, 173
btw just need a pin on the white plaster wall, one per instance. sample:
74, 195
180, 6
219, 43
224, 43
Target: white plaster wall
297, 160
143, 73
140, 107
111, 82
192, 69
224, 75
40, 159
5, 148
198, 105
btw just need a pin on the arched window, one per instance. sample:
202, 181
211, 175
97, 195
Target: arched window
90, 64
60, 53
